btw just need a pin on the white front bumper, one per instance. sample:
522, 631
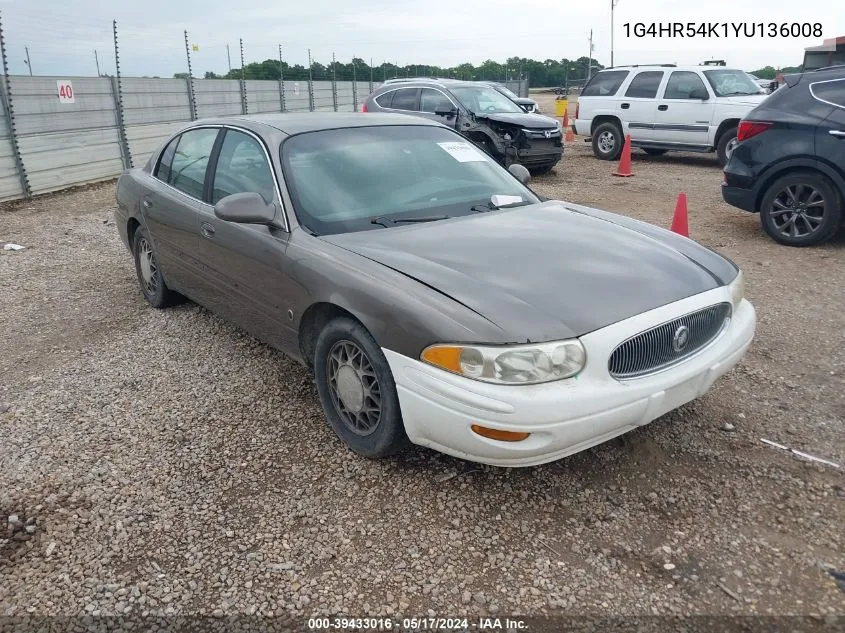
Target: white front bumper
566, 416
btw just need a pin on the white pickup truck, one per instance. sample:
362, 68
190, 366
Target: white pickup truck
665, 108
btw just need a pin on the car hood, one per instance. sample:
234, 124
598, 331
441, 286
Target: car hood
534, 121
547, 271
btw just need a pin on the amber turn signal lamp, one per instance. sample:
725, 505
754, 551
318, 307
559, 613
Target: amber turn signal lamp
502, 436
448, 358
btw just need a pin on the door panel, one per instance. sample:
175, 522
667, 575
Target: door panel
638, 106
680, 118
172, 201
247, 278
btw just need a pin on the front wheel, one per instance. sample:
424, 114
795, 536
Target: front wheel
801, 209
607, 141
727, 144
357, 390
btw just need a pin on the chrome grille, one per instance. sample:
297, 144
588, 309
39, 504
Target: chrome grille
541, 133
667, 344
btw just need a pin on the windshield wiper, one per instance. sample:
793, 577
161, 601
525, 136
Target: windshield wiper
737, 93
484, 208
383, 220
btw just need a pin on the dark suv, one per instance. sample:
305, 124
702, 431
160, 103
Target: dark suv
482, 114
789, 164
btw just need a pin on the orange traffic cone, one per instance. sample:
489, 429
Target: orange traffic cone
625, 162
566, 118
570, 136
680, 224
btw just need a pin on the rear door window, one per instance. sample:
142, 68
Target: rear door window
405, 99
605, 83
187, 172
645, 85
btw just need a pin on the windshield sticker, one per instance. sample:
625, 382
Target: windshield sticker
463, 152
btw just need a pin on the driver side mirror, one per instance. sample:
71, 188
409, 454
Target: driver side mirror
700, 93
520, 173
448, 112
246, 208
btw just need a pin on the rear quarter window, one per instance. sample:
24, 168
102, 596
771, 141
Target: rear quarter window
605, 83
832, 92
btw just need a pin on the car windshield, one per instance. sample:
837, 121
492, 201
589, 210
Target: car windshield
341, 181
732, 83
508, 92
485, 100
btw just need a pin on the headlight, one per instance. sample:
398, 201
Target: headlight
511, 364
737, 289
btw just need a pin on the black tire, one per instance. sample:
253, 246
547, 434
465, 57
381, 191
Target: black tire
651, 151
368, 434
543, 170
725, 146
608, 141
150, 278
819, 209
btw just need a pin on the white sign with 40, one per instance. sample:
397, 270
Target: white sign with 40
65, 89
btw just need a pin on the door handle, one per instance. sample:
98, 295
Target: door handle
147, 203
625, 106
663, 108
207, 230
838, 133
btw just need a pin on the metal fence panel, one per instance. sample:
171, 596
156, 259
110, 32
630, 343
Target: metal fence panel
65, 144
64, 159
217, 97
296, 96
10, 182
262, 95
323, 101
147, 101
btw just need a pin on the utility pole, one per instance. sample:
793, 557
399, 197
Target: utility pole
590, 58
28, 62
228, 58
97, 61
613, 4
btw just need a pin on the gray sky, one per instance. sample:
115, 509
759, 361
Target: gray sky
62, 36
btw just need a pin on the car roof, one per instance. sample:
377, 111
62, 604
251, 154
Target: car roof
441, 83
689, 67
299, 122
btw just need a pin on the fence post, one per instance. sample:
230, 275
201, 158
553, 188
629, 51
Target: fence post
281, 80
10, 118
371, 75
244, 105
334, 83
310, 84
117, 88
354, 87
192, 102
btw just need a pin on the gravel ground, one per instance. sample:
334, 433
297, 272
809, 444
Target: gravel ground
164, 462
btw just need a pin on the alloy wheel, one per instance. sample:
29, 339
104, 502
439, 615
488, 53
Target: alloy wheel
354, 387
797, 210
607, 141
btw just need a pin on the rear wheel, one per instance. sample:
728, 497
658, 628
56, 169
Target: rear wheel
607, 141
153, 287
357, 390
801, 209
727, 143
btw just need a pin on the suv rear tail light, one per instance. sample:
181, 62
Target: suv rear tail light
577, 109
749, 129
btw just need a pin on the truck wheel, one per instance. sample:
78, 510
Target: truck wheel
727, 143
607, 141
